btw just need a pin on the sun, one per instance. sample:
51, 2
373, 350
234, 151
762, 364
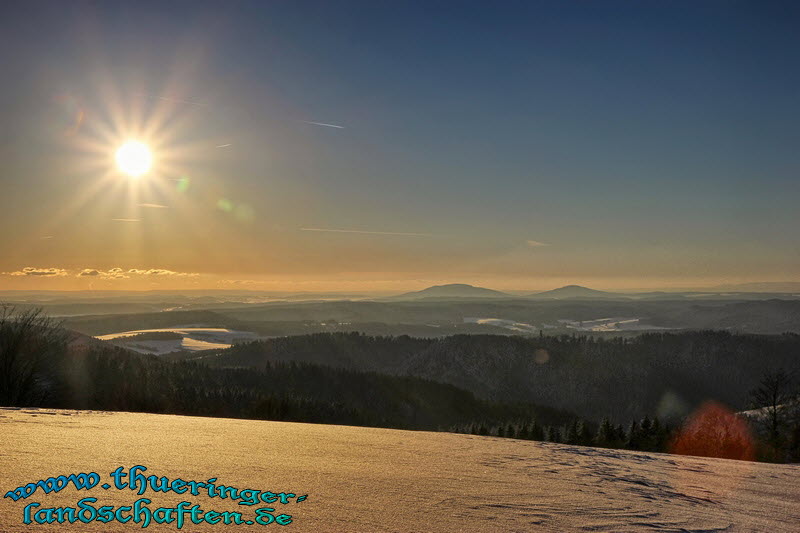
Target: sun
134, 158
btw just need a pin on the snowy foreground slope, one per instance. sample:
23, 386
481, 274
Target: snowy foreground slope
362, 479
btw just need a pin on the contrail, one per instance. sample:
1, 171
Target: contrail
224, 145
174, 100
368, 232
323, 124
126, 219
155, 206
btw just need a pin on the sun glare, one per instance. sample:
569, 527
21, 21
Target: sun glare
134, 158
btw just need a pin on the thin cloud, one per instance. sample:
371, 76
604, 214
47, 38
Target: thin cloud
154, 206
364, 232
113, 273
323, 124
34, 271
119, 273
174, 100
160, 272
47, 237
126, 219
224, 145
116, 273
535, 244
239, 282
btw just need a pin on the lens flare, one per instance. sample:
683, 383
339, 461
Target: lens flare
715, 431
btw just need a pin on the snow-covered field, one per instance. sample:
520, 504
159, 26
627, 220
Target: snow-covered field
609, 324
597, 325
520, 327
194, 339
369, 480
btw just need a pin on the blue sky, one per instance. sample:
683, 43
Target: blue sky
638, 144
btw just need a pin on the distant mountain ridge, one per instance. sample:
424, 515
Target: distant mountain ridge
453, 290
762, 286
463, 290
575, 291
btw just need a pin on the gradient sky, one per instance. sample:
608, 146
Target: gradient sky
519, 145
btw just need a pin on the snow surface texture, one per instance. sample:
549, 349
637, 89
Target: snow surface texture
365, 479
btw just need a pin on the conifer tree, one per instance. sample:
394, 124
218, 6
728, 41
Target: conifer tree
584, 435
536, 431
633, 439
606, 434
571, 436
645, 433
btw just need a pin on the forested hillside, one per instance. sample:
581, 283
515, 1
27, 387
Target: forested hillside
43, 365
665, 374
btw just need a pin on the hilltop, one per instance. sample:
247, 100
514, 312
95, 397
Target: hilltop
453, 290
575, 291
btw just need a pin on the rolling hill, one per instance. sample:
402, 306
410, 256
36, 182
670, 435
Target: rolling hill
664, 374
453, 290
575, 291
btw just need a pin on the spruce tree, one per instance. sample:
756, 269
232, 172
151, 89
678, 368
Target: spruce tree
633, 441
584, 436
646, 434
619, 436
606, 434
571, 436
536, 431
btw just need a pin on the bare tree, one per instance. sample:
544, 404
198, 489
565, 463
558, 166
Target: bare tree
774, 396
30, 346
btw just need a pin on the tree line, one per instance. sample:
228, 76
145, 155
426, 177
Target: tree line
645, 435
769, 432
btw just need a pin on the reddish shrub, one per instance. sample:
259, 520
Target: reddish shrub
715, 431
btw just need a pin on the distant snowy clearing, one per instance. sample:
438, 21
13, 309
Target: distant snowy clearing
193, 339
596, 325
